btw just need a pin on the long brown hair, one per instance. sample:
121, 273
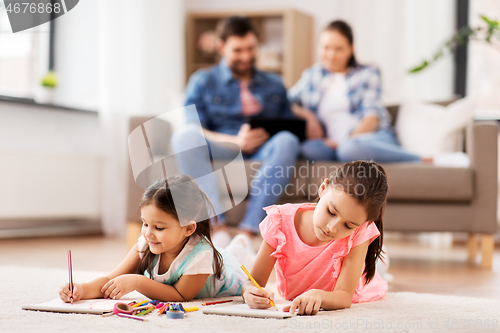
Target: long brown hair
344, 29
367, 182
191, 204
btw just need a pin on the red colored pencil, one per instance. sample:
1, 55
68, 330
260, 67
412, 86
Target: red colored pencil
218, 302
70, 269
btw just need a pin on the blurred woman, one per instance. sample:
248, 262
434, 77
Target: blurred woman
342, 103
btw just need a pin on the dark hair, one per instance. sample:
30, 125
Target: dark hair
345, 29
234, 26
367, 182
192, 204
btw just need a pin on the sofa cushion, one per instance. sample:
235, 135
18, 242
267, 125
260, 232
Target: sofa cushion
407, 181
425, 182
416, 181
427, 129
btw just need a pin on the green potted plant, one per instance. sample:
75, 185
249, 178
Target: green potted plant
489, 33
47, 90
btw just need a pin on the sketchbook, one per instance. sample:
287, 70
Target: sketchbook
245, 311
94, 306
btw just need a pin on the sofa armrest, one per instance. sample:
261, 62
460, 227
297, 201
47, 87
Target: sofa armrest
482, 148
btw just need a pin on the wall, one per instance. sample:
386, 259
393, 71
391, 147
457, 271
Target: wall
50, 162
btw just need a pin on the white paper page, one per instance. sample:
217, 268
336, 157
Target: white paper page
96, 306
245, 311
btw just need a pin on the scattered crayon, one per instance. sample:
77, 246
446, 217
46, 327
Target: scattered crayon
145, 311
131, 317
143, 307
139, 304
162, 309
191, 308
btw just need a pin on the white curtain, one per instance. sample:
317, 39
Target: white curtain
141, 73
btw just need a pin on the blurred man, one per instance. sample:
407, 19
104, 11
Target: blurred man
225, 96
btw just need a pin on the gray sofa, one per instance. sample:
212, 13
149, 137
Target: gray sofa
421, 197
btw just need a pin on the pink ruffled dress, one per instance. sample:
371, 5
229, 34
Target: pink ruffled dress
300, 267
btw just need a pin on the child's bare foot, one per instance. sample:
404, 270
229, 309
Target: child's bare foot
242, 249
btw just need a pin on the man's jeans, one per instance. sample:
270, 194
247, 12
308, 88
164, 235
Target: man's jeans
380, 146
277, 155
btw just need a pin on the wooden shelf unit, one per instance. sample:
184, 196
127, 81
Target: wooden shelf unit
295, 44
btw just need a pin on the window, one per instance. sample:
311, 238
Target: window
483, 67
23, 58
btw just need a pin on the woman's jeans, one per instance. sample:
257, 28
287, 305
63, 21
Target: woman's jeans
379, 146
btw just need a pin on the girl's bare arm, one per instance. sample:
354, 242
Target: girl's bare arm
261, 270
185, 289
120, 282
92, 289
341, 297
352, 266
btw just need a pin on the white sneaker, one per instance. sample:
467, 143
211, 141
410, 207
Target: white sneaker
241, 248
383, 267
246, 242
221, 238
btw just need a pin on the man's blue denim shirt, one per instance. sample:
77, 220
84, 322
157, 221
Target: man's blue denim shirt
216, 95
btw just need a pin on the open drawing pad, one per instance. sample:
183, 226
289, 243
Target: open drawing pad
94, 306
245, 311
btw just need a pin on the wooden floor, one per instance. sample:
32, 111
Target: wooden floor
415, 267
423, 269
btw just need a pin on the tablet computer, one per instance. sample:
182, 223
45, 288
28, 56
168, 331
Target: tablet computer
275, 125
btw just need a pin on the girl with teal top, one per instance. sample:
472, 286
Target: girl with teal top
174, 258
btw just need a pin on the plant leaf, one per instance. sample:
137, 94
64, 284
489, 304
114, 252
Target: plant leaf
419, 68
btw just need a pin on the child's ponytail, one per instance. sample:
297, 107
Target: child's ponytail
374, 250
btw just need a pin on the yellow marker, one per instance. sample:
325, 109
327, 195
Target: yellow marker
191, 308
257, 285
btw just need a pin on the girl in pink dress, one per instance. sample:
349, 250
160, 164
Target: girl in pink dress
325, 253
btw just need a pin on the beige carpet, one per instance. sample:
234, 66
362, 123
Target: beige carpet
397, 312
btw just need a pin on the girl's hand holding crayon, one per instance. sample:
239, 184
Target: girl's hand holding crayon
308, 303
121, 285
256, 298
65, 293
